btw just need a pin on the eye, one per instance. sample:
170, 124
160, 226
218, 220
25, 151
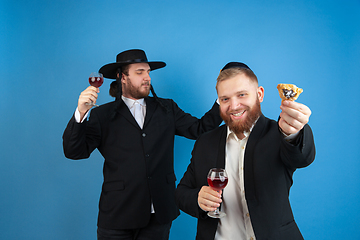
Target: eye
224, 100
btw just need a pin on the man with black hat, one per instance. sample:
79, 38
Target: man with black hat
259, 155
135, 134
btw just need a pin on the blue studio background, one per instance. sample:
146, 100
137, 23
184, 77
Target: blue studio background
49, 48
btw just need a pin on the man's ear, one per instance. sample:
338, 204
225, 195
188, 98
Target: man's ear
260, 92
123, 77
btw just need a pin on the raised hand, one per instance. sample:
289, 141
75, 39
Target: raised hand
293, 117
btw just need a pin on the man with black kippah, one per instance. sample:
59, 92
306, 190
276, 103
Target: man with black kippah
135, 135
259, 155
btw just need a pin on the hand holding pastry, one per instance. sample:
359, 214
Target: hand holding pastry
294, 115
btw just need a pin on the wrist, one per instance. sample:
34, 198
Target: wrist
284, 133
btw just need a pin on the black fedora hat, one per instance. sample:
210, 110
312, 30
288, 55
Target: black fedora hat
125, 58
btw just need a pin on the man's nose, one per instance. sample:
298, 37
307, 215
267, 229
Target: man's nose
147, 77
234, 104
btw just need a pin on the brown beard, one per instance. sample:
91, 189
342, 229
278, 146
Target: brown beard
246, 124
135, 92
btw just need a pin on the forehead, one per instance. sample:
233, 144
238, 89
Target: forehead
139, 66
236, 84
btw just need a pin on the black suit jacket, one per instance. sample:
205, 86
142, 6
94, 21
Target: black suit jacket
138, 166
269, 164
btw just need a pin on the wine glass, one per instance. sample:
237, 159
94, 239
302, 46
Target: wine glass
217, 179
96, 80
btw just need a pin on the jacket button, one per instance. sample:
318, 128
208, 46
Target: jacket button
144, 134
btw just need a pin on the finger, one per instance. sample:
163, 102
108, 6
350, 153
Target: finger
88, 96
207, 204
298, 116
206, 190
294, 119
208, 199
287, 128
301, 113
92, 88
299, 107
207, 208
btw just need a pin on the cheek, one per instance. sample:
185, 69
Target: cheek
223, 108
133, 83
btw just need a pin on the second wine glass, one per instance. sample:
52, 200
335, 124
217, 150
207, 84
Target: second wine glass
217, 179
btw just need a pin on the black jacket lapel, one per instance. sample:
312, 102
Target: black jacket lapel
125, 112
249, 160
151, 106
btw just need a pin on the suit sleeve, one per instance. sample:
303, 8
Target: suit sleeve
191, 127
79, 140
300, 153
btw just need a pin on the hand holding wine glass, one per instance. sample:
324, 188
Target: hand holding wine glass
217, 179
89, 96
96, 80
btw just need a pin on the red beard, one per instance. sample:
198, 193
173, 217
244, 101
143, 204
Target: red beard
246, 124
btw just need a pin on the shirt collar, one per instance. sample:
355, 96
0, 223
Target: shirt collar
130, 102
230, 132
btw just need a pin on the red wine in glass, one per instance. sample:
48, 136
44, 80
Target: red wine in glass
96, 80
217, 179
218, 183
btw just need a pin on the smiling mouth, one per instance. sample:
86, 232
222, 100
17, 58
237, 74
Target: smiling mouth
239, 114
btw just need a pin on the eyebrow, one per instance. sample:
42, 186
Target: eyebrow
237, 93
142, 69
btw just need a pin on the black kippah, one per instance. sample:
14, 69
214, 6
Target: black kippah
235, 65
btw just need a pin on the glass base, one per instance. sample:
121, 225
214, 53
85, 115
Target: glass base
216, 214
91, 104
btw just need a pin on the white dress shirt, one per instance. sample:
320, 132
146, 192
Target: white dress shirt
131, 103
236, 224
